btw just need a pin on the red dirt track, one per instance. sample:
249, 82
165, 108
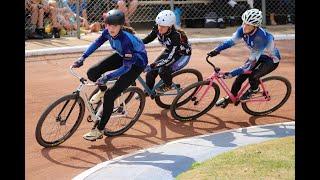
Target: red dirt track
47, 79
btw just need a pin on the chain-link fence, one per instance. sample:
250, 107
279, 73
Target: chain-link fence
190, 13
277, 11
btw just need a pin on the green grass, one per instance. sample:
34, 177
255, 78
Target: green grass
274, 159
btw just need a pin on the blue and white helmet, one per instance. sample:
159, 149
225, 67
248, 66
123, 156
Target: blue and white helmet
252, 17
166, 18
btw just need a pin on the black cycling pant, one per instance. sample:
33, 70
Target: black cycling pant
107, 64
264, 66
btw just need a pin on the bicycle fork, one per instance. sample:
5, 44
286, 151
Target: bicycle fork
195, 98
63, 121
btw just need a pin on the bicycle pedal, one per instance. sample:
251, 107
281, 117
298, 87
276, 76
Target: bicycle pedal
223, 106
120, 109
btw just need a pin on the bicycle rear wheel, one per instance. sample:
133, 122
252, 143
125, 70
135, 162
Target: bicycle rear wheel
181, 79
60, 120
279, 90
193, 106
96, 106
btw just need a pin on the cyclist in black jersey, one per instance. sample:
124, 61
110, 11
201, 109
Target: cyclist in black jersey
176, 54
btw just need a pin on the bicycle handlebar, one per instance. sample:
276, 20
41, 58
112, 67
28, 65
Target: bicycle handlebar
82, 80
216, 69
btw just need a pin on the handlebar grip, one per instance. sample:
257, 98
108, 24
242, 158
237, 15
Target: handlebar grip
83, 80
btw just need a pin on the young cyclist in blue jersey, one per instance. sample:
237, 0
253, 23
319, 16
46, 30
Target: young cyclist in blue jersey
176, 54
264, 56
129, 61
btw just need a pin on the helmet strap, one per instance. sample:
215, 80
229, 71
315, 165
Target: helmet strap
169, 30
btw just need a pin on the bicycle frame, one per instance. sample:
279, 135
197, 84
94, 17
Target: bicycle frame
83, 83
217, 76
152, 91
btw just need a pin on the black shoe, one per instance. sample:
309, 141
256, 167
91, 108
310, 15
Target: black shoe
44, 34
38, 31
223, 102
247, 95
55, 32
164, 88
35, 35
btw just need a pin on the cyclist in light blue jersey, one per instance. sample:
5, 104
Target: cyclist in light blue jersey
264, 56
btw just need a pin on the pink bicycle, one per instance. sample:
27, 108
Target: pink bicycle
198, 98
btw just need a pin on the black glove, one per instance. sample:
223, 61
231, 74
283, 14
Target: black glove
78, 63
227, 75
213, 53
153, 65
102, 80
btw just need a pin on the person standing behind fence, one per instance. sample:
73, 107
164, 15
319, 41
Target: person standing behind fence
128, 11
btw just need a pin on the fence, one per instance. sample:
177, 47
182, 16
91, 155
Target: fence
192, 13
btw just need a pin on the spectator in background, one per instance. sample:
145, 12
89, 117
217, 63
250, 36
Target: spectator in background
271, 7
85, 26
82, 12
66, 17
82, 7
122, 6
274, 9
38, 9
290, 10
63, 13
34, 11
284, 11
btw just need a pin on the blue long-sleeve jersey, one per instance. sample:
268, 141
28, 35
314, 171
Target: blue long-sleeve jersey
127, 46
259, 42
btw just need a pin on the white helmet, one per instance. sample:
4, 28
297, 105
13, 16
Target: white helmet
166, 18
252, 17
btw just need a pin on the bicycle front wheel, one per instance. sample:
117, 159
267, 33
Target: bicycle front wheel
279, 90
180, 79
60, 120
198, 99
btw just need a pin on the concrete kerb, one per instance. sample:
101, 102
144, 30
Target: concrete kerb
92, 170
78, 49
